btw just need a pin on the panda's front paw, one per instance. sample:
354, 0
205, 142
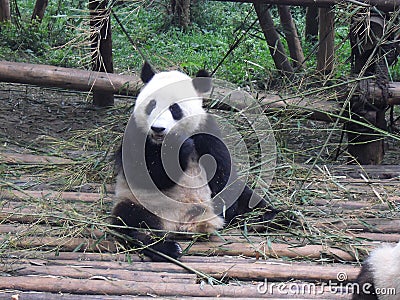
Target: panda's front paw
280, 219
269, 214
170, 248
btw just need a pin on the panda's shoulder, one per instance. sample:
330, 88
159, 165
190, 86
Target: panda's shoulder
209, 140
209, 125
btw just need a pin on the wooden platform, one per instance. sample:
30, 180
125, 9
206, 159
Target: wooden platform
56, 245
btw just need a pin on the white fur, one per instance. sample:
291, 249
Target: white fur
187, 206
191, 191
167, 88
385, 263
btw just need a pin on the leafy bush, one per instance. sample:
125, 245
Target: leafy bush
62, 38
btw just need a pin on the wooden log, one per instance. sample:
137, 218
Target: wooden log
367, 225
61, 243
81, 80
123, 287
49, 194
246, 271
20, 295
388, 238
275, 250
18, 158
253, 249
370, 172
86, 272
350, 206
51, 76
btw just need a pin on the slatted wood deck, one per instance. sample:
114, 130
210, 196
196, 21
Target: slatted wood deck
54, 245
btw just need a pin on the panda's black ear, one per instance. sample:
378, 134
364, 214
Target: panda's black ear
202, 82
147, 72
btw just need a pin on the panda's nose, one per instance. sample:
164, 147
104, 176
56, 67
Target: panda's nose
157, 129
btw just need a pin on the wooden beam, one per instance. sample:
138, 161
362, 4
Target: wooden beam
125, 287
67, 78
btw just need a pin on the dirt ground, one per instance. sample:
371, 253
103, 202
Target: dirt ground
30, 115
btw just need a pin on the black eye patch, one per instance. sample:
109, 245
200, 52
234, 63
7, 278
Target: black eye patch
176, 111
150, 106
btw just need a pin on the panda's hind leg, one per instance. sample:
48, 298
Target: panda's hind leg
128, 216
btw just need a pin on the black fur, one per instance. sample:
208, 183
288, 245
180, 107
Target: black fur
202, 82
147, 72
150, 106
176, 111
126, 214
365, 281
226, 189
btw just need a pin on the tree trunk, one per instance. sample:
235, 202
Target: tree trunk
366, 145
101, 47
5, 14
325, 53
311, 31
275, 46
181, 12
38, 11
292, 38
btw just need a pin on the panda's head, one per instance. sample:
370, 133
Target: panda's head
170, 102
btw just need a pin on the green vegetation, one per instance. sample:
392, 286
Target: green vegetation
63, 39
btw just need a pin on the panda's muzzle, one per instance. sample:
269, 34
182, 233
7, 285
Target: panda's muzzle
158, 133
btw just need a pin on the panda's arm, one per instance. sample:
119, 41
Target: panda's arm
228, 191
208, 142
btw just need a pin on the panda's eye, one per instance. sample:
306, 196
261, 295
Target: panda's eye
150, 106
176, 111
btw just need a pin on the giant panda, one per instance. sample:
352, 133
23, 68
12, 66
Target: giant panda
174, 172
379, 277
